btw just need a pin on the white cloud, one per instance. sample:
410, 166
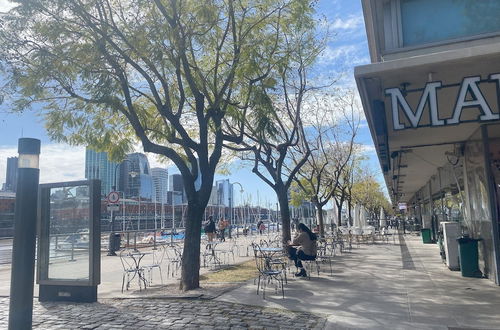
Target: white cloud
58, 162
331, 54
61, 162
348, 55
352, 22
6, 5
367, 149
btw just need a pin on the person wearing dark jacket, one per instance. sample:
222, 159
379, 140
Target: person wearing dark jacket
209, 228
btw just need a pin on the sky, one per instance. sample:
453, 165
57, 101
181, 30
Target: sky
346, 49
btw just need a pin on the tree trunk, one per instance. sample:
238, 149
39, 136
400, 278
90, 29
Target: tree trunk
190, 273
349, 204
339, 212
285, 216
319, 217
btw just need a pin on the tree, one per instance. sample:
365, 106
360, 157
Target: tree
274, 128
367, 191
331, 139
345, 185
167, 73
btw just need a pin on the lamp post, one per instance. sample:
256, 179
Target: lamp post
23, 248
111, 247
237, 227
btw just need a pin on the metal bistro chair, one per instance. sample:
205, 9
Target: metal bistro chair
267, 273
280, 261
158, 256
174, 259
325, 253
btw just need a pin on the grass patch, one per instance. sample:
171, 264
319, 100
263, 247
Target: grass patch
237, 273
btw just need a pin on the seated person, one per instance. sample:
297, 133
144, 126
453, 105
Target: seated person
306, 242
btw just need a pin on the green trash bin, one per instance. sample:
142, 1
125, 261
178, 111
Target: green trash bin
469, 260
426, 235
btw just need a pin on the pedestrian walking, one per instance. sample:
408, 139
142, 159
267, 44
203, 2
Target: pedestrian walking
209, 228
222, 225
261, 227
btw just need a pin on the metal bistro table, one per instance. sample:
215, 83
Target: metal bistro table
210, 254
139, 272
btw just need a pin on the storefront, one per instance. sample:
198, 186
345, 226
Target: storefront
435, 122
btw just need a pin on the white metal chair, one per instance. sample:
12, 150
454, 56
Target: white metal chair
156, 263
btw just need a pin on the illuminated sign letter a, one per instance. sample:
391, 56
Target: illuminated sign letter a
428, 95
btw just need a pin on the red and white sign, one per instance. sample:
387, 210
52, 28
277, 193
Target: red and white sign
113, 197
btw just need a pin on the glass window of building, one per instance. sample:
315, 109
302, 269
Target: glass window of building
428, 21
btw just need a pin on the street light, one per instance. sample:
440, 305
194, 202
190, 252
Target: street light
23, 247
231, 211
111, 241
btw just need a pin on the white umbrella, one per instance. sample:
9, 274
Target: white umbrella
334, 218
362, 217
356, 222
382, 220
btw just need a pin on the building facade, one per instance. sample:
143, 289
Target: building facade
98, 166
224, 193
11, 175
431, 98
135, 177
176, 186
160, 184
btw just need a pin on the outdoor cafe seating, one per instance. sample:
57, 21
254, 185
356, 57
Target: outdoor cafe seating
211, 256
173, 258
268, 272
132, 269
156, 263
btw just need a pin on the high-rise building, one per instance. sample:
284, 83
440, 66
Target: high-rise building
11, 176
213, 196
176, 184
98, 166
135, 177
174, 198
224, 193
160, 184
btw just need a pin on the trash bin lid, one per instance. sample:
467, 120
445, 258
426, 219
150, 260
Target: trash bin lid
467, 239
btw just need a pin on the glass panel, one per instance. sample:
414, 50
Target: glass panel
479, 223
494, 146
453, 188
425, 21
69, 233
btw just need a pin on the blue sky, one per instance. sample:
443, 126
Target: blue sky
347, 48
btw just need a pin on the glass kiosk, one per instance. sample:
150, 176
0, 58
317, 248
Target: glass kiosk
69, 241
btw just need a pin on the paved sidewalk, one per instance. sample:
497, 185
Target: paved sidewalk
388, 286
396, 285
112, 271
150, 313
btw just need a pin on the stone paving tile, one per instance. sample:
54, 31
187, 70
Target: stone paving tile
111, 314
